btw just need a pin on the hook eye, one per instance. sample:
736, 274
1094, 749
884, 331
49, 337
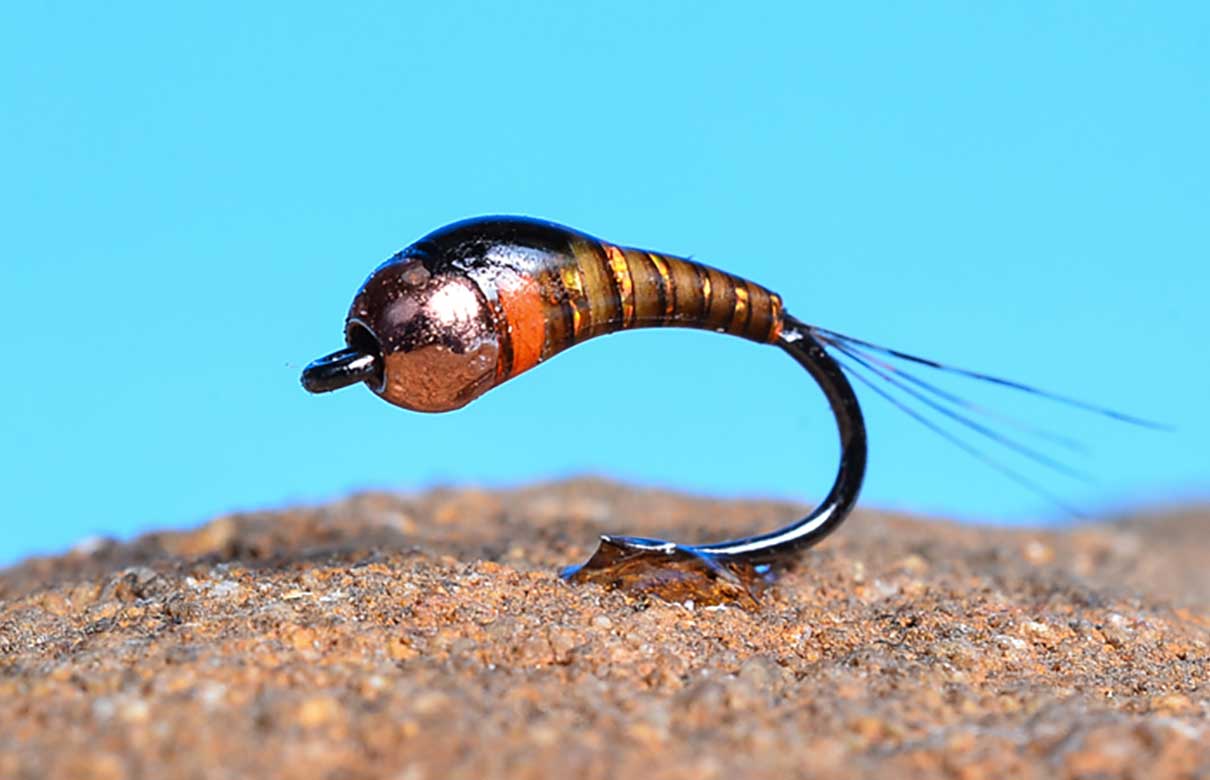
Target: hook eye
340, 369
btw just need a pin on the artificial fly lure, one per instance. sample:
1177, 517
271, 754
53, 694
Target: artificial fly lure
478, 302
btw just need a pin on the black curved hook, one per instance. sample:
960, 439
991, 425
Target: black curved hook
799, 341
349, 366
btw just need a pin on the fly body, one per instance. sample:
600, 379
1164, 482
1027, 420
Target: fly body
478, 302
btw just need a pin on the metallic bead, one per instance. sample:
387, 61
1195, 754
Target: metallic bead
435, 336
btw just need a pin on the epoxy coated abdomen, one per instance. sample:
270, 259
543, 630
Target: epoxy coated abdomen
475, 303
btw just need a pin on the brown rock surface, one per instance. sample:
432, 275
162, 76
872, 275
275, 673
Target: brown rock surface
429, 637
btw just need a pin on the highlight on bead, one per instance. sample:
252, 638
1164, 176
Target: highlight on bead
480, 301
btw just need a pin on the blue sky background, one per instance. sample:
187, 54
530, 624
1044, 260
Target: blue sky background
192, 193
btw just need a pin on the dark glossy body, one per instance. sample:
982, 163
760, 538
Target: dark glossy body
475, 303
509, 293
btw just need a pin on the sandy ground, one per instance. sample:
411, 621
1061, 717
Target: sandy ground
429, 637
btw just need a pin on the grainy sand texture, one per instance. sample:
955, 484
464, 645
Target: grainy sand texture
426, 637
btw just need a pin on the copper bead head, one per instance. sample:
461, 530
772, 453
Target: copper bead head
433, 334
